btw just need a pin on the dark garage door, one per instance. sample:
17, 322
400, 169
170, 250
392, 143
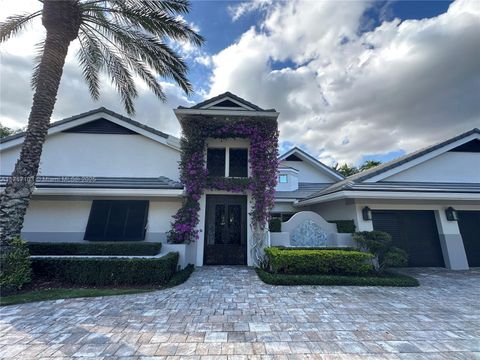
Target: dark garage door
415, 232
469, 224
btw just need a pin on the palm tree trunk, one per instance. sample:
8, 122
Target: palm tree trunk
16, 197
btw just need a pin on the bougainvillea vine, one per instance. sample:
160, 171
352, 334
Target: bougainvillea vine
263, 161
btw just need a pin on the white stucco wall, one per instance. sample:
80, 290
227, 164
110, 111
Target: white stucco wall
292, 180
461, 167
160, 215
334, 210
66, 219
57, 216
307, 172
72, 154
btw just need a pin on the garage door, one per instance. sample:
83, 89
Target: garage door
415, 232
469, 224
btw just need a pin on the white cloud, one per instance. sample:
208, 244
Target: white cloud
238, 10
16, 59
400, 86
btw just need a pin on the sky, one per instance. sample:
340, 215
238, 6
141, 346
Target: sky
352, 80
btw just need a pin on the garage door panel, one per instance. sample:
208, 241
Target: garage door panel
415, 232
469, 224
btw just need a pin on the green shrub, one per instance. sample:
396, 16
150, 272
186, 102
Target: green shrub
111, 271
379, 243
96, 248
275, 225
290, 261
385, 279
344, 226
181, 276
15, 266
396, 257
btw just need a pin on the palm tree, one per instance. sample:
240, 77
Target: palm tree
124, 38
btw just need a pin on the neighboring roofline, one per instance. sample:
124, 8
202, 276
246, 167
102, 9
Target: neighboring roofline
379, 172
390, 195
234, 97
312, 160
167, 139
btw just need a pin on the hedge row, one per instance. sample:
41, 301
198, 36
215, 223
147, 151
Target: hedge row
96, 248
386, 279
112, 271
339, 262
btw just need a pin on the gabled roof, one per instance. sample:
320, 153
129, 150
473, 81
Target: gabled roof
311, 160
227, 100
374, 175
89, 116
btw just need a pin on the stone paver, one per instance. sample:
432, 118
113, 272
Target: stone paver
228, 313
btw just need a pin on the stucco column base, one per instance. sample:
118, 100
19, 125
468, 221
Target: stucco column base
453, 251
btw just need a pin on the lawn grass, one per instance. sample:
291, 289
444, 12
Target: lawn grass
34, 294
387, 279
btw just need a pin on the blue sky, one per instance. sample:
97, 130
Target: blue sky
352, 80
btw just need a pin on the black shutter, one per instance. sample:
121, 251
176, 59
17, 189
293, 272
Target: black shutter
117, 220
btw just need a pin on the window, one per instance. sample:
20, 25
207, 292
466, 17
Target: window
216, 162
238, 165
282, 216
283, 179
114, 220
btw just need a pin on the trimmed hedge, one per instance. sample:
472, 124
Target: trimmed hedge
95, 248
386, 279
181, 276
344, 226
339, 262
112, 271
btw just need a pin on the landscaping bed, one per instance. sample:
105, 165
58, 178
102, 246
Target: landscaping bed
41, 289
385, 279
318, 261
132, 248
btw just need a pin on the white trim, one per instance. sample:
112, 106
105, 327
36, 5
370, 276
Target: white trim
389, 195
108, 192
318, 164
244, 106
55, 129
179, 112
421, 159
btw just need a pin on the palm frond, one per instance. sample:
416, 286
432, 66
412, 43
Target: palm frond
15, 23
90, 58
171, 6
116, 68
138, 45
38, 57
159, 23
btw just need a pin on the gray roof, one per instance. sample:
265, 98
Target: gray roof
311, 158
94, 182
225, 94
304, 190
350, 182
406, 186
92, 112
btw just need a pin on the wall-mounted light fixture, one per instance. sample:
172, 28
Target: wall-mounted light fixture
451, 214
366, 213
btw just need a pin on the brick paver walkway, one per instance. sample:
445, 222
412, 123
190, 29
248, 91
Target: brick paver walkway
227, 312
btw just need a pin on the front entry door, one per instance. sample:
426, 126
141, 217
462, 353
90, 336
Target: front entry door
226, 230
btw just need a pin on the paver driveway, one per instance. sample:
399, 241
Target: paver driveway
225, 312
